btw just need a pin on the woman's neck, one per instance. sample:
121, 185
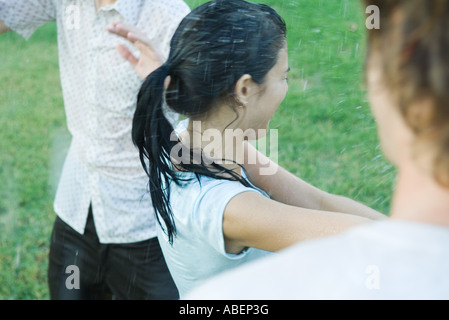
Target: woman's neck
219, 143
418, 197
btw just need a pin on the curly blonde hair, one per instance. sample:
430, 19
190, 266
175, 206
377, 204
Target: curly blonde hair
413, 44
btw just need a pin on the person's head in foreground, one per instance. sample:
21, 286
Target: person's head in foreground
407, 257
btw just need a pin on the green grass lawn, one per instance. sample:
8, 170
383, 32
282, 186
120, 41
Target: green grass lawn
327, 135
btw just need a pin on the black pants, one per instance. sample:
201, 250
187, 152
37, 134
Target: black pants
134, 271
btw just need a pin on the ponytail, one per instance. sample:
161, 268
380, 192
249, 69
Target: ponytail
151, 132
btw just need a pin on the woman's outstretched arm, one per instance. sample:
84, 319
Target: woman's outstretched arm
253, 220
289, 189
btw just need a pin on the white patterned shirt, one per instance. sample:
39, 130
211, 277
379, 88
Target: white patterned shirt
100, 90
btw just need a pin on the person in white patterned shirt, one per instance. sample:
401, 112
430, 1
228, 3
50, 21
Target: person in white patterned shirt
105, 222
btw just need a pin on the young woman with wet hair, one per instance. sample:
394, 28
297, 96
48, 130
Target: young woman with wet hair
227, 70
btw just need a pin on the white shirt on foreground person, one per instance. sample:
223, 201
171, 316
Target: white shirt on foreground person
385, 260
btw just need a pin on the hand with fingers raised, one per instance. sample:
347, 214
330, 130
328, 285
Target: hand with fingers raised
149, 60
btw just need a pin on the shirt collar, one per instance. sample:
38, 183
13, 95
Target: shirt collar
128, 9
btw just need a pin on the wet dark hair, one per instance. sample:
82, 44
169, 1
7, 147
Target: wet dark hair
213, 47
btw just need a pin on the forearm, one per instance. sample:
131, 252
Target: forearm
280, 184
287, 188
335, 203
251, 220
3, 27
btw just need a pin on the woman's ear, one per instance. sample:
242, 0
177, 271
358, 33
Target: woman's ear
243, 90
